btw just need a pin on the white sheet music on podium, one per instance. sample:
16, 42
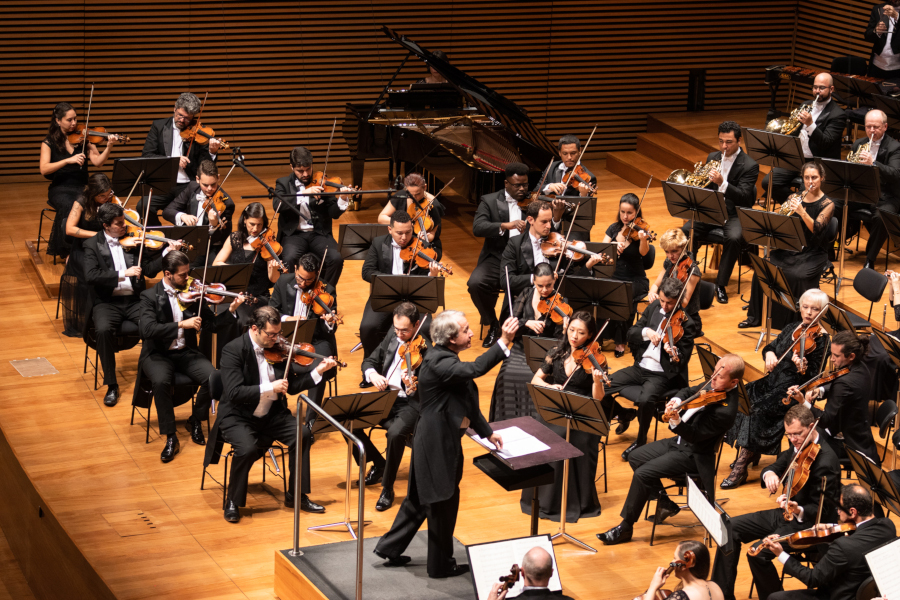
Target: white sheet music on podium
491, 560
516, 442
707, 514
883, 563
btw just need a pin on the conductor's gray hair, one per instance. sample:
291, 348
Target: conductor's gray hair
189, 102
445, 326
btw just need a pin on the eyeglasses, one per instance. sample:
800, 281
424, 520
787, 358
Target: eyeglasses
518, 185
795, 436
271, 334
821, 87
180, 117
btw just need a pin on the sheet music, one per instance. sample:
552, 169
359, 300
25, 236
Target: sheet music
707, 514
883, 563
516, 442
489, 561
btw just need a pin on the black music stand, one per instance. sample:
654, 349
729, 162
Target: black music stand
775, 286
572, 411
606, 298
836, 319
536, 349
587, 210
856, 91
234, 277
708, 360
859, 183
159, 174
773, 149
354, 239
891, 223
875, 479
197, 236
305, 330
892, 347
353, 411
889, 106
426, 292
695, 204
608, 248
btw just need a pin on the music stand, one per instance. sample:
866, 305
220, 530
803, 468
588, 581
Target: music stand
608, 248
695, 204
875, 479
536, 349
234, 277
159, 173
584, 220
197, 236
708, 360
856, 90
892, 347
859, 183
775, 286
353, 411
891, 223
573, 411
889, 106
836, 319
606, 298
426, 292
305, 330
773, 149
354, 239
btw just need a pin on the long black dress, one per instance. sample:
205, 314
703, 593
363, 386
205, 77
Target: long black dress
74, 293
629, 267
258, 285
582, 501
763, 430
66, 185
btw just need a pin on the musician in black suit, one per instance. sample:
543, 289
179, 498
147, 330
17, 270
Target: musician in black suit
169, 334
884, 61
653, 370
838, 573
254, 413
116, 281
536, 571
305, 223
569, 152
736, 178
799, 425
415, 195
699, 432
821, 131
164, 139
498, 219
187, 208
449, 405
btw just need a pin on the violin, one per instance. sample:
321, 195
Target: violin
632, 230
822, 533
302, 354
320, 180
215, 293
672, 327
510, 580
590, 357
805, 342
687, 562
411, 359
95, 135
701, 398
558, 309
575, 250
202, 135
152, 240
580, 175
419, 212
424, 257
817, 381
682, 269
216, 203
266, 246
321, 302
799, 475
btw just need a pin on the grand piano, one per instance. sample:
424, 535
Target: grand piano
461, 129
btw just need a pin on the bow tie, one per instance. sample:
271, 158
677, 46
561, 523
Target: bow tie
170, 293
113, 243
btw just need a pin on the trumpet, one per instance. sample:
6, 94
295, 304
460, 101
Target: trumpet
792, 123
698, 178
785, 209
854, 156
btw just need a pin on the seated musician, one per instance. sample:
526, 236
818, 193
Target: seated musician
694, 584
116, 282
498, 219
821, 131
736, 179
383, 258
569, 152
799, 425
762, 431
164, 139
654, 369
699, 432
884, 61
841, 570
804, 268
311, 229
169, 330
414, 197
673, 242
254, 413
434, 76
884, 153
382, 369
536, 571
192, 207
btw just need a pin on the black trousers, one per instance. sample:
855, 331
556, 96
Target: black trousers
300, 242
159, 202
484, 290
731, 250
748, 528
401, 422
653, 385
108, 317
160, 368
250, 437
317, 393
373, 327
877, 232
782, 182
881, 73
441, 518
651, 463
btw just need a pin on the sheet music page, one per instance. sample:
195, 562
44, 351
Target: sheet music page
707, 514
883, 564
490, 561
516, 442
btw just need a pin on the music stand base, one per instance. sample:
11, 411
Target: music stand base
568, 538
348, 524
297, 553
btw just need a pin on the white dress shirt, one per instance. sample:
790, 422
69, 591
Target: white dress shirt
124, 287
303, 206
651, 356
806, 130
725, 168
177, 315
887, 60
266, 378
874, 146
201, 198
302, 310
176, 151
515, 214
395, 374
397, 262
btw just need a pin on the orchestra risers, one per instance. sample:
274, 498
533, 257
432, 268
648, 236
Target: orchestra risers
700, 129
636, 168
47, 271
669, 150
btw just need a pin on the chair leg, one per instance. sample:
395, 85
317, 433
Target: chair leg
887, 442
203, 478
655, 516
149, 411
605, 478
58, 302
284, 474
225, 485
96, 368
752, 583
86, 350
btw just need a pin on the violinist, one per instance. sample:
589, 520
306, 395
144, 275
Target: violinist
630, 264
673, 242
383, 369
311, 230
799, 426
763, 430
164, 140
694, 584
699, 431
254, 408
653, 370
569, 148
416, 197
536, 572
251, 224
66, 166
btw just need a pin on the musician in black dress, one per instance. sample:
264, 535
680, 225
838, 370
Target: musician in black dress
415, 194
762, 430
66, 166
561, 371
694, 584
804, 268
673, 242
569, 152
630, 263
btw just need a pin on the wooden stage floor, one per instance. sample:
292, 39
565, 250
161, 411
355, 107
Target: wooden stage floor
93, 470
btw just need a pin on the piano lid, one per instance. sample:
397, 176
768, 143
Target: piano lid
493, 104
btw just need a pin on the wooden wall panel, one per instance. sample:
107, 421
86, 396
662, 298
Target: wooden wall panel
830, 28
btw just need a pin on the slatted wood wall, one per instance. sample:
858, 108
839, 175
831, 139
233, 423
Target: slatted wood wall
278, 73
830, 28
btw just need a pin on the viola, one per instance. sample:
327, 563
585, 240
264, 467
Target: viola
419, 213
95, 135
411, 354
510, 580
687, 562
557, 308
631, 231
215, 293
822, 533
302, 354
798, 474
424, 257
574, 250
266, 246
590, 357
580, 175
321, 302
700, 399
134, 234
818, 381
202, 135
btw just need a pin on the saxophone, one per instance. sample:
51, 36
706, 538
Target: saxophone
854, 156
698, 178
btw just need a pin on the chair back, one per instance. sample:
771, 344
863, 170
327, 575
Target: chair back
649, 258
707, 291
215, 385
867, 589
870, 284
884, 417
851, 65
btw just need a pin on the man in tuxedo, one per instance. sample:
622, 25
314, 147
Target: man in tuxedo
117, 283
169, 333
449, 405
523, 252
187, 208
699, 432
653, 370
254, 413
569, 152
842, 569
164, 139
536, 570
799, 426
416, 197
736, 179
820, 132
884, 61
498, 219
382, 370
306, 218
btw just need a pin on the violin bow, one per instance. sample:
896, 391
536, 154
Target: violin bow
87, 121
509, 293
596, 337
540, 185
202, 105
821, 500
144, 229
397, 364
136, 182
213, 204
675, 266
203, 282
581, 154
637, 213
287, 367
562, 251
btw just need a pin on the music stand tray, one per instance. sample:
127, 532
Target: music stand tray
875, 479
196, 236
774, 282
836, 320
234, 277
771, 229
354, 239
695, 204
609, 248
160, 173
774, 149
856, 90
426, 292
536, 349
611, 298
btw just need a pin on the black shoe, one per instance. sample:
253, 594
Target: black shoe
374, 475
306, 505
398, 561
365, 384
196, 430
630, 449
868, 265
748, 323
112, 395
617, 535
172, 448
625, 419
456, 571
385, 501
232, 512
721, 295
666, 508
734, 480
618, 353
491, 336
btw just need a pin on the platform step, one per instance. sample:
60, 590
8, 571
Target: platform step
48, 271
669, 150
637, 168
